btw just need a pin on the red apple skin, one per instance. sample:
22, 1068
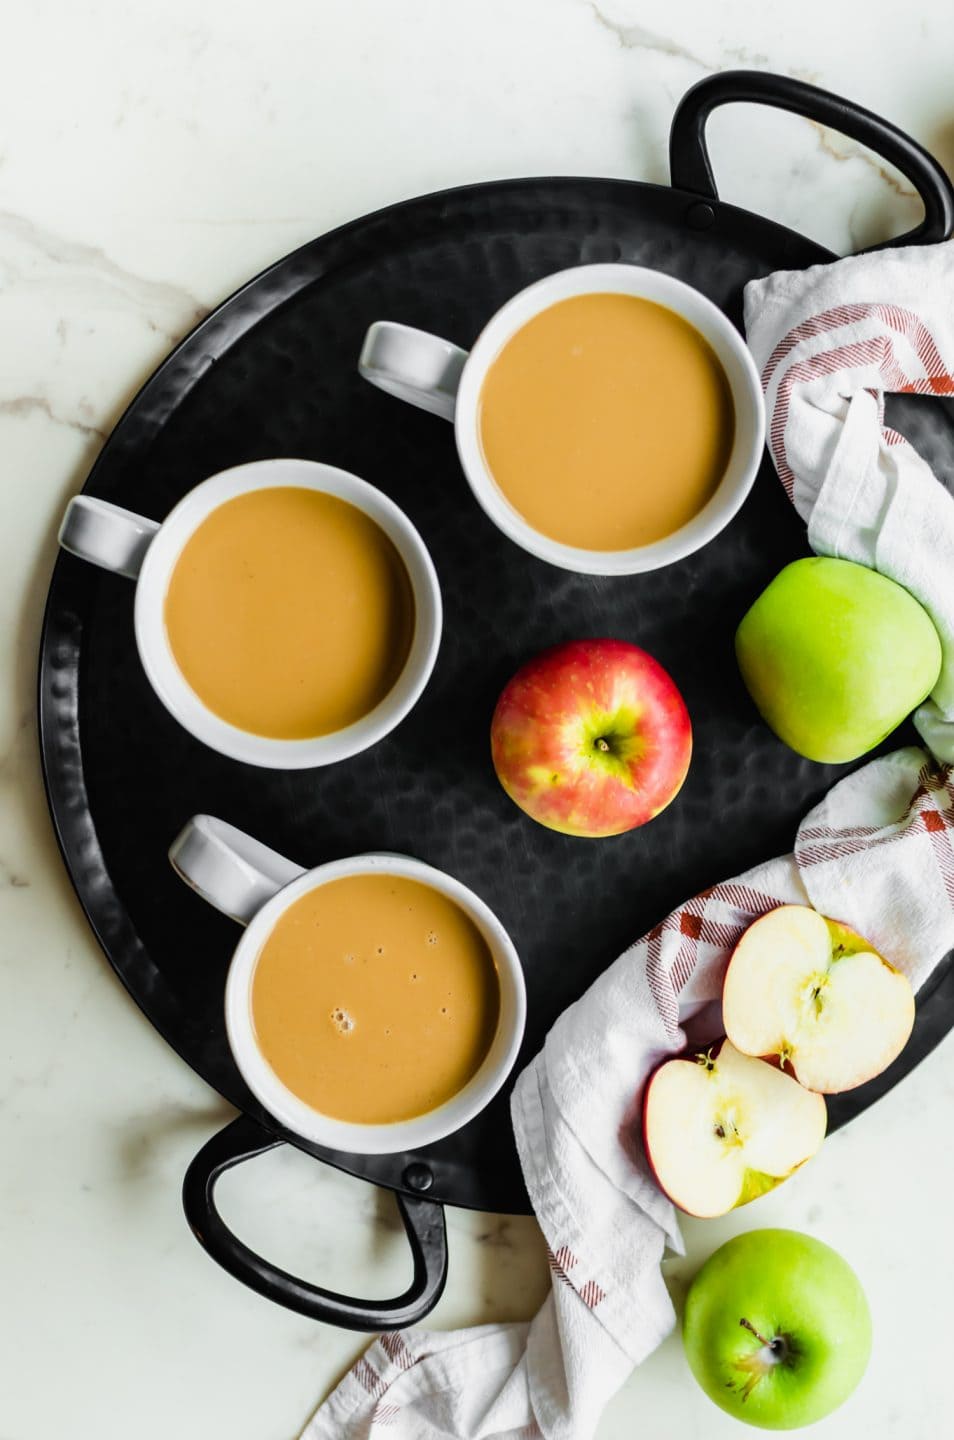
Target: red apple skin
558, 712
644, 1106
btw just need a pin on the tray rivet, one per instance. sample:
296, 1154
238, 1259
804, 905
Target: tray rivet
700, 216
418, 1177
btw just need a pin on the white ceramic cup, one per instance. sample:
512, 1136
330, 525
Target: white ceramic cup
147, 552
255, 886
439, 377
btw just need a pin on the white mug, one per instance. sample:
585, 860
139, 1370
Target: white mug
439, 377
255, 886
147, 552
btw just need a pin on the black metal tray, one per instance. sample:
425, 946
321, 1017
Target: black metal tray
273, 372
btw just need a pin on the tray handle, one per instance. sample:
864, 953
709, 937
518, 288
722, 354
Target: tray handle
691, 169
423, 1222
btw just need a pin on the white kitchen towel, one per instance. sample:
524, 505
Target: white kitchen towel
877, 853
830, 343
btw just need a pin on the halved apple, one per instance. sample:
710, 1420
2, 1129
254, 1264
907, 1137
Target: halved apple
815, 996
721, 1128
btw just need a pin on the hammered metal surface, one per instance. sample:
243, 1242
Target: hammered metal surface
273, 373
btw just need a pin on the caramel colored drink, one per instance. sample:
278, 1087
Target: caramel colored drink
375, 999
606, 421
289, 613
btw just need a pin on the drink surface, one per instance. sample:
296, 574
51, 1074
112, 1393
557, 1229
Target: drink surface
606, 421
289, 613
375, 998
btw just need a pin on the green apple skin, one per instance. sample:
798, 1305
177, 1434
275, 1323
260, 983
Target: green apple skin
789, 1287
835, 656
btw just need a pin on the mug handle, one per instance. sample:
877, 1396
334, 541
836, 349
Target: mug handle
423, 1224
413, 365
229, 869
691, 169
106, 535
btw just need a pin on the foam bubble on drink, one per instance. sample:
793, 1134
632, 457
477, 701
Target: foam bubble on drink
342, 1021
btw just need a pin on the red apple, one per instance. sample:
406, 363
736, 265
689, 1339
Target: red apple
591, 738
815, 996
720, 1128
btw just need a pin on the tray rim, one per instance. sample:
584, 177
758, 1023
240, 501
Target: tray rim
476, 189
230, 307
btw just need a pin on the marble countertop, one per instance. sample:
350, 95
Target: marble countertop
152, 157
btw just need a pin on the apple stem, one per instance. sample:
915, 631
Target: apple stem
747, 1324
603, 745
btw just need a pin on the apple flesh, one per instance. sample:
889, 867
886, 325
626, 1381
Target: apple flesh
777, 1329
720, 1128
835, 656
815, 996
591, 738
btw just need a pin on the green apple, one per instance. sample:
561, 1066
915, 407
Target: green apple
835, 656
777, 1329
